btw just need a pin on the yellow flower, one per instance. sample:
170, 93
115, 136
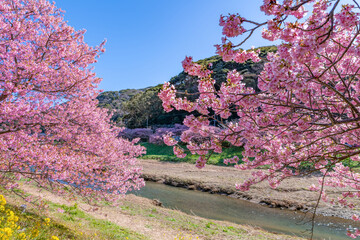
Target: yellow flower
12, 217
54, 238
5, 233
47, 221
22, 236
35, 232
2, 200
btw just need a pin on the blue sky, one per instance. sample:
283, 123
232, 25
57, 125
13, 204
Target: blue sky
147, 40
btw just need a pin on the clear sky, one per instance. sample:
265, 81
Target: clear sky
147, 40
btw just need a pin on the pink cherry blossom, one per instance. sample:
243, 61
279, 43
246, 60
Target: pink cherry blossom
51, 130
306, 108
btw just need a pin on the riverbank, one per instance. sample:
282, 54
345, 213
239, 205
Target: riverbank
135, 218
292, 194
140, 218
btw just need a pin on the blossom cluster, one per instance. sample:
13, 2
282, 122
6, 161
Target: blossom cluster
232, 25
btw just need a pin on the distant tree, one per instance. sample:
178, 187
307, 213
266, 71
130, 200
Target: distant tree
145, 110
142, 107
114, 101
51, 130
307, 107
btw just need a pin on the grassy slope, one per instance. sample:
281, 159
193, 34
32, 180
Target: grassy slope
74, 223
69, 223
165, 153
89, 227
193, 227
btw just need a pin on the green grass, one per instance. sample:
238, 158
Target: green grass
92, 228
165, 153
68, 223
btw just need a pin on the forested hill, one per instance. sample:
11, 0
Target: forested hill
136, 108
113, 100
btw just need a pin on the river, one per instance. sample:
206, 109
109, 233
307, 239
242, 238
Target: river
219, 207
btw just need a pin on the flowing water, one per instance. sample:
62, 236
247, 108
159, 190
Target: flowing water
219, 207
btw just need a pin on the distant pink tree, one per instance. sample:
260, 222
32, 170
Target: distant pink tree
51, 130
308, 106
175, 132
140, 133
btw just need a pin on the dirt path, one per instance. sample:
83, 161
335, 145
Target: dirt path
293, 193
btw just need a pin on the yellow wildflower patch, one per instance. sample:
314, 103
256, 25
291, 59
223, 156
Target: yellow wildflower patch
9, 228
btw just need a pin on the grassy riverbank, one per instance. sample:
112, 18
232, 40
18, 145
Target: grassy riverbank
165, 153
63, 222
134, 218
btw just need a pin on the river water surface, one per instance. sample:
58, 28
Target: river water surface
219, 207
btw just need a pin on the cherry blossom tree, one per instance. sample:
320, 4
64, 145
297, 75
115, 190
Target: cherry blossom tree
51, 130
308, 107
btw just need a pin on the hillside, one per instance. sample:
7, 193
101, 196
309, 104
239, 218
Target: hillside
136, 108
113, 100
